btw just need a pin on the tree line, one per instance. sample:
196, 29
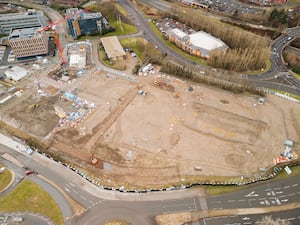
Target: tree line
247, 51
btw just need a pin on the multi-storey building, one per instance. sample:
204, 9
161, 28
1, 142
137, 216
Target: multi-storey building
28, 42
85, 23
21, 20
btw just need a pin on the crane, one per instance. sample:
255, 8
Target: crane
52, 26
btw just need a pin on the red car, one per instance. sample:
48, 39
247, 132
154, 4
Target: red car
28, 172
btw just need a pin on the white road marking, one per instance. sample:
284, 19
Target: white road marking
292, 218
252, 194
81, 196
67, 189
285, 187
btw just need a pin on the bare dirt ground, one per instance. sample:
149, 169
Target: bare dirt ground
164, 134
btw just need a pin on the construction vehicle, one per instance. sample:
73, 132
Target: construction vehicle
52, 26
33, 106
156, 83
92, 158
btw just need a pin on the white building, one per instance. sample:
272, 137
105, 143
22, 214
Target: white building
198, 43
16, 73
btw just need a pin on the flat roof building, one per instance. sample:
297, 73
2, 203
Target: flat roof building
28, 42
16, 73
113, 48
21, 20
197, 43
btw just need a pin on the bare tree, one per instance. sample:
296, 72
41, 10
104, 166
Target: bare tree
267, 220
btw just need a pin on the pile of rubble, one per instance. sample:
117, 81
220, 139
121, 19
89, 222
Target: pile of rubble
77, 110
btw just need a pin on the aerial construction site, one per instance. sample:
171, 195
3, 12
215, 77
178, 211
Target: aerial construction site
152, 129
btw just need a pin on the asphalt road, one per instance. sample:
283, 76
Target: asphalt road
292, 216
20, 175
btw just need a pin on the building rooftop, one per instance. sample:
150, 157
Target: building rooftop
23, 33
178, 33
16, 73
206, 41
112, 47
20, 15
91, 15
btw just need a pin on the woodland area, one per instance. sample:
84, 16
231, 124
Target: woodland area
247, 51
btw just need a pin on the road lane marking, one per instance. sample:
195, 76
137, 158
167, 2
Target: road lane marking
282, 196
67, 189
81, 196
285, 187
252, 194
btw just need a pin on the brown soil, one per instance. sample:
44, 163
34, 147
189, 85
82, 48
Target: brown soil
164, 134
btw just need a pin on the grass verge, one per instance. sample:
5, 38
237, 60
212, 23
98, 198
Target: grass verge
256, 72
121, 29
121, 9
296, 75
131, 43
28, 196
218, 190
5, 178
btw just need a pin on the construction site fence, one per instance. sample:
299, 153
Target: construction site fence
185, 181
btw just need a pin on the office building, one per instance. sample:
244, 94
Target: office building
28, 42
21, 20
85, 23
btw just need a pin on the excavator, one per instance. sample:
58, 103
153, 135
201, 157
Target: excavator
92, 158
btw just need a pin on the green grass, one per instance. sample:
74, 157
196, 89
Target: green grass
174, 48
131, 43
296, 75
121, 9
5, 178
127, 29
28, 196
256, 72
218, 190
